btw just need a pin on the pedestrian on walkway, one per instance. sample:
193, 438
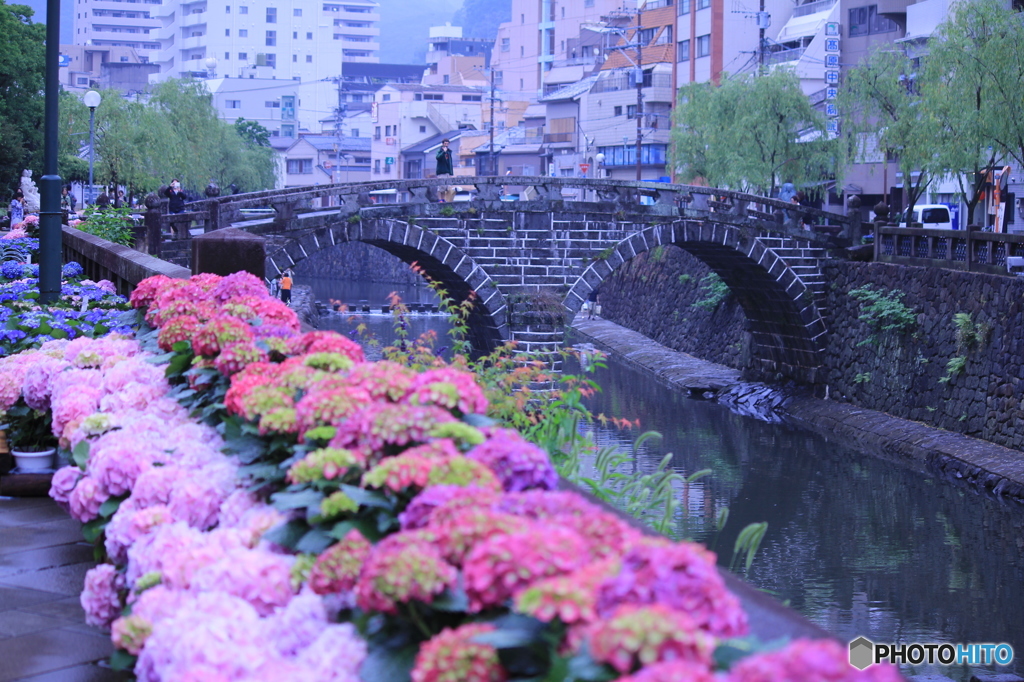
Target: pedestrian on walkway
17, 208
286, 286
592, 304
275, 286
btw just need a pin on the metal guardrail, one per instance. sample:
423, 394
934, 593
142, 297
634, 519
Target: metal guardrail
953, 249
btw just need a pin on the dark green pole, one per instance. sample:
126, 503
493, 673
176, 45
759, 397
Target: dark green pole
49, 186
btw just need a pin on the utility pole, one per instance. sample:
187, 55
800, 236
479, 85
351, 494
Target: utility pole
339, 116
760, 40
494, 162
639, 89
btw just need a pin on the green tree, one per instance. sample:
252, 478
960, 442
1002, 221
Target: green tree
750, 133
252, 132
73, 133
972, 82
880, 100
21, 85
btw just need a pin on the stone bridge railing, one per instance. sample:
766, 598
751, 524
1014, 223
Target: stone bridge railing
415, 197
952, 249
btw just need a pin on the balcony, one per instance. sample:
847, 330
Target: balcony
784, 56
626, 82
813, 8
554, 138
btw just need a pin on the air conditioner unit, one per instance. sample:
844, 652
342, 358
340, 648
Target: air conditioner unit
261, 59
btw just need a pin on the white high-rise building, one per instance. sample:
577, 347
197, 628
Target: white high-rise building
116, 23
282, 39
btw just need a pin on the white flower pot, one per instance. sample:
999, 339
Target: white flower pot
34, 462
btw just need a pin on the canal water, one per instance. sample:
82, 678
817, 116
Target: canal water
859, 545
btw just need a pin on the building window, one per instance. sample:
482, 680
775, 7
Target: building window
683, 51
295, 58
617, 111
271, 15
288, 131
704, 46
309, 35
300, 166
295, 35
506, 44
309, 59
227, 32
385, 98
499, 76
233, 104
296, 12
243, 33
647, 35
387, 131
588, 3
355, 132
243, 55
447, 79
867, 21
243, 10
631, 111
376, 133
227, 9
472, 98
703, 4
272, 61
272, 105
376, 165
227, 56
522, 51
271, 38
522, 18
433, 97
684, 7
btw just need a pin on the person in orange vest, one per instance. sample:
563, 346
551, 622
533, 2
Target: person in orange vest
286, 286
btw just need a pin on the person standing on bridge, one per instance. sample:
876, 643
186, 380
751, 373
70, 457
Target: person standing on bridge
176, 196
286, 287
445, 167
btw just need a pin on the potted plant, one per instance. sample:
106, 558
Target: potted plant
32, 442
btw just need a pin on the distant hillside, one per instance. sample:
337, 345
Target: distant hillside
404, 24
480, 18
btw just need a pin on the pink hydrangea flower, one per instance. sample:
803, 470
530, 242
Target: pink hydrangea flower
397, 573
63, 483
380, 425
154, 486
450, 388
502, 565
197, 497
636, 636
38, 383
257, 576
336, 655
453, 656
804, 660
681, 576
297, 625
327, 342
519, 464
100, 597
417, 514
338, 567
85, 500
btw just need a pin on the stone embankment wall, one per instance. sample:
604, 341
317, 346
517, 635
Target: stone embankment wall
907, 374
358, 262
655, 294
902, 374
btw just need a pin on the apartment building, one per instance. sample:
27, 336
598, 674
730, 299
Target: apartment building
405, 114
455, 60
324, 159
540, 48
118, 24
85, 67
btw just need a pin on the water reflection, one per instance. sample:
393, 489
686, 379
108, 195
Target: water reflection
859, 545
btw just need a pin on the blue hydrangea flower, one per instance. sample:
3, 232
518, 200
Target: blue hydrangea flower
72, 269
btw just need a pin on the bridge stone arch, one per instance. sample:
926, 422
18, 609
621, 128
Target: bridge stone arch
440, 259
782, 314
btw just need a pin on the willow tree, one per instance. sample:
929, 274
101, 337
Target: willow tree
972, 83
750, 133
881, 101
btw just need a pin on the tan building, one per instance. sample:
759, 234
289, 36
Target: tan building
404, 114
85, 67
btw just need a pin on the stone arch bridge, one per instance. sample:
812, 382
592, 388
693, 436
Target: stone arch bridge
533, 262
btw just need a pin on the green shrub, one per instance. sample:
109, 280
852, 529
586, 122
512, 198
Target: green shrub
112, 224
884, 311
715, 291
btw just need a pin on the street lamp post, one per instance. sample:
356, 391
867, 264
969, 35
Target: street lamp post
50, 233
91, 100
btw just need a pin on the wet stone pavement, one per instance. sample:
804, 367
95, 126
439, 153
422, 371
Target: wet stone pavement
43, 561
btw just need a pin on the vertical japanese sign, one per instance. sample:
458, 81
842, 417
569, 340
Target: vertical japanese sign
832, 67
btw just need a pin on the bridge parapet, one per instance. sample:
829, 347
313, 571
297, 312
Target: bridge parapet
420, 197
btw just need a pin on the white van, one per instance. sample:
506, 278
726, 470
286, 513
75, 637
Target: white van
931, 216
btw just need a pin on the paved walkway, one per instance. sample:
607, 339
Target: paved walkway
43, 635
